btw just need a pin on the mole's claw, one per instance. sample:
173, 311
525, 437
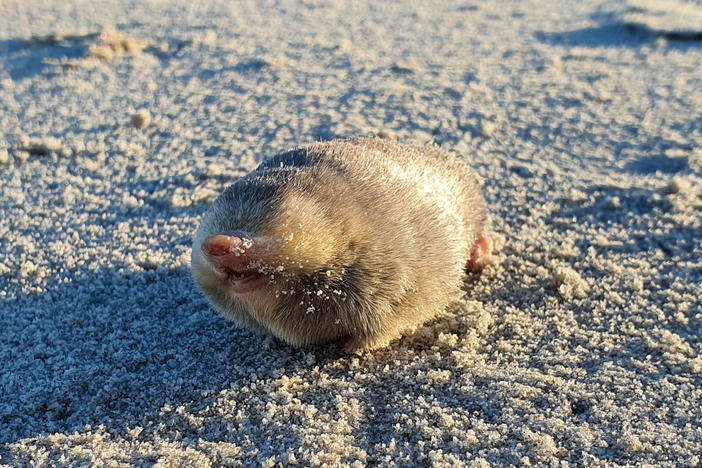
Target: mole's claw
480, 254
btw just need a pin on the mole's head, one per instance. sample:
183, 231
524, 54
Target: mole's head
261, 243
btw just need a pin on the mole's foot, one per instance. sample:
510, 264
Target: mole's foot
480, 254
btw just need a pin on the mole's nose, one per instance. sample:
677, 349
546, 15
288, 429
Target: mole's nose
230, 249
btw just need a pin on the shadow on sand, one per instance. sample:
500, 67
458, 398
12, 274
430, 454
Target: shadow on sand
614, 32
113, 348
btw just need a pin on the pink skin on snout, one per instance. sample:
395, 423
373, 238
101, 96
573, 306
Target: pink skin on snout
231, 253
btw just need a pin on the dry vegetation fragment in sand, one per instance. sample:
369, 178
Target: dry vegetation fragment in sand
116, 43
82, 49
85, 48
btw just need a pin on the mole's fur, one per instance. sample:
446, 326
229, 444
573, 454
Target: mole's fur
357, 240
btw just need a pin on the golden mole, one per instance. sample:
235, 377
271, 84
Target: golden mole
357, 240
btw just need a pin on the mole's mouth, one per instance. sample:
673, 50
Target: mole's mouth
245, 281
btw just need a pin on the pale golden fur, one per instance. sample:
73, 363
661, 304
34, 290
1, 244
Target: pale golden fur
364, 239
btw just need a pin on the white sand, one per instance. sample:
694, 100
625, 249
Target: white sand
580, 345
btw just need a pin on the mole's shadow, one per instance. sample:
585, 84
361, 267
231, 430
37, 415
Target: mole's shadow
113, 348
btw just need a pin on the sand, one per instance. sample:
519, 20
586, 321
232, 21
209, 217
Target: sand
580, 345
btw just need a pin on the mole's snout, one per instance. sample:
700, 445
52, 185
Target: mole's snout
234, 254
230, 250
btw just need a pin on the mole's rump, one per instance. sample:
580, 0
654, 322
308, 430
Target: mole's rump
358, 240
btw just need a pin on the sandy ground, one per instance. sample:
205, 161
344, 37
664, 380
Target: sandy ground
580, 345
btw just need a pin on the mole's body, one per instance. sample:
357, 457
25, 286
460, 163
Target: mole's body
357, 240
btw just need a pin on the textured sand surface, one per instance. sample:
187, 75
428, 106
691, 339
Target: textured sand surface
581, 344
